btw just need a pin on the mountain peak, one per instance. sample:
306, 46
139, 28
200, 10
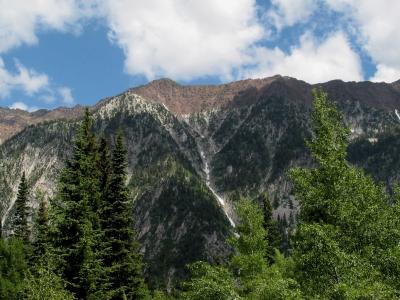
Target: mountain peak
186, 99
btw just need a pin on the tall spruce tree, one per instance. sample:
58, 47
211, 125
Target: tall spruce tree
20, 219
78, 226
122, 251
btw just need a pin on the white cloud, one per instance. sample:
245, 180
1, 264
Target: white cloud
66, 95
22, 106
386, 74
310, 61
20, 20
25, 79
32, 83
184, 39
29, 80
378, 25
285, 13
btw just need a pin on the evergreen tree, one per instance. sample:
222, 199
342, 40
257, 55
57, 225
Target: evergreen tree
78, 225
274, 235
250, 245
40, 242
122, 251
347, 243
13, 267
20, 220
105, 170
42, 280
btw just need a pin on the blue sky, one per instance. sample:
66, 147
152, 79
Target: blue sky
67, 52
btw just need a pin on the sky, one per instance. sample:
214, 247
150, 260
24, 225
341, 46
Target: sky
67, 52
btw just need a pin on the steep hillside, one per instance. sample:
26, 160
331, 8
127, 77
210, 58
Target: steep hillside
191, 148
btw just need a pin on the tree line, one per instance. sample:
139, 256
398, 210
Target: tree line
346, 244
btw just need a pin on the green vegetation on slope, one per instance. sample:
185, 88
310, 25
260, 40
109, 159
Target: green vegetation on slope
346, 244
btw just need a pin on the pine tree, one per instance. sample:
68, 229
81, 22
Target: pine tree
78, 227
274, 235
20, 220
40, 243
122, 251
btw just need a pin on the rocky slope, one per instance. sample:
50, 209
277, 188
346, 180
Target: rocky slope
191, 148
13, 121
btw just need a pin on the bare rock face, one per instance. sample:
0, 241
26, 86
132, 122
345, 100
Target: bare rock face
183, 100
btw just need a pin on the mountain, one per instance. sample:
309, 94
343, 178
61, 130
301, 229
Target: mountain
13, 121
193, 149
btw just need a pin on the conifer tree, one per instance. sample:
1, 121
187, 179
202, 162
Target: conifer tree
20, 220
347, 243
273, 236
78, 227
104, 166
40, 243
122, 252
42, 280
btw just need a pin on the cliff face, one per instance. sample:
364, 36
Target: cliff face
191, 147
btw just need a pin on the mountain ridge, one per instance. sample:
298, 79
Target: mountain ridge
188, 99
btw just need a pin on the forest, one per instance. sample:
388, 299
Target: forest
81, 243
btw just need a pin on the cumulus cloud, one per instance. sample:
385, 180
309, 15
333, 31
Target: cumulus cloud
385, 74
310, 61
23, 106
24, 79
66, 95
32, 83
377, 23
20, 20
285, 13
184, 39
